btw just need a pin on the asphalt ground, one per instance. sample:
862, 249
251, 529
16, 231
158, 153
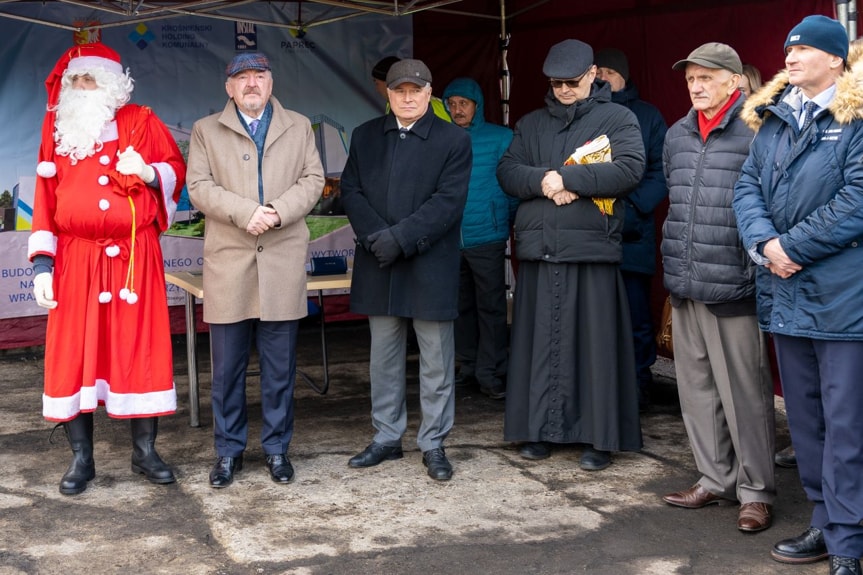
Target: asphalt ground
500, 514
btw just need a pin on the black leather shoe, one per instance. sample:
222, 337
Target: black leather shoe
464, 379
808, 547
223, 471
594, 459
376, 453
786, 458
495, 391
439, 467
281, 470
844, 565
534, 450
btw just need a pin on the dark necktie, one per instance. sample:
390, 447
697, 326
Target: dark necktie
809, 109
253, 126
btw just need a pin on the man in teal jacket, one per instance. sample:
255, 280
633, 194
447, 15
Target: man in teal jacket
481, 334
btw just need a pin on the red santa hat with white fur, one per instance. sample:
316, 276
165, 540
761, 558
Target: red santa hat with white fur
82, 58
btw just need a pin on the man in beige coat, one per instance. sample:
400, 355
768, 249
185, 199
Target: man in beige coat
255, 173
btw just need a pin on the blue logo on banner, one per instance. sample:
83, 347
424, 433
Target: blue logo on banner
141, 36
246, 37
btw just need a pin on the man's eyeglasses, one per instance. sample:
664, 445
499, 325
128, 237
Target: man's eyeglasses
571, 84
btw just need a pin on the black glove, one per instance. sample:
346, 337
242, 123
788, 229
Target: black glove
385, 247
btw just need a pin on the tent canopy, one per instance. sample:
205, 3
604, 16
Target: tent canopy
463, 37
124, 12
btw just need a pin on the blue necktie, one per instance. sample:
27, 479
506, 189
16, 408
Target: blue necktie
253, 126
809, 109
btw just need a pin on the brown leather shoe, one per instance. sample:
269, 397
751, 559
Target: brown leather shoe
695, 497
755, 516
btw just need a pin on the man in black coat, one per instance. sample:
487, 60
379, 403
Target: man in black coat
572, 366
404, 189
639, 226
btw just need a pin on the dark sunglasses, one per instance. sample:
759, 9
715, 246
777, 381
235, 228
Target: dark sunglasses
571, 84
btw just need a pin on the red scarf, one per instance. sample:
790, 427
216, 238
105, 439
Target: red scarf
705, 125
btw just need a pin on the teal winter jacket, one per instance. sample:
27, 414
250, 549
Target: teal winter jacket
489, 211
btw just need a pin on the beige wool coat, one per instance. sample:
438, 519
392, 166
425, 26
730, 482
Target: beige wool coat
247, 276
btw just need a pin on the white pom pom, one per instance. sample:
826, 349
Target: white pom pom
104, 205
124, 294
112, 251
103, 180
105, 297
132, 298
104, 160
46, 169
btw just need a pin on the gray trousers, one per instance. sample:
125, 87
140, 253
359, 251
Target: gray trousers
726, 395
387, 373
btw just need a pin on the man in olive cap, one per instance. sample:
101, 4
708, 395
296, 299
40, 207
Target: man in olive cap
578, 385
798, 206
720, 355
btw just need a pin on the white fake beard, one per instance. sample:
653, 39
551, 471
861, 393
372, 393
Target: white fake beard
81, 116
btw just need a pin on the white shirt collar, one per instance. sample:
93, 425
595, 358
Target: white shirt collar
248, 119
796, 99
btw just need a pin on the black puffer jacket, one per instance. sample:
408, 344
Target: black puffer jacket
578, 232
702, 256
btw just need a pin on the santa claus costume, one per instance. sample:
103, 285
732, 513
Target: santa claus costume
108, 337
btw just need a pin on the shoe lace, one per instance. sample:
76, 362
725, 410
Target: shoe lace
435, 454
850, 562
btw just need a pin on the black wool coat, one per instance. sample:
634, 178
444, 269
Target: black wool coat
414, 184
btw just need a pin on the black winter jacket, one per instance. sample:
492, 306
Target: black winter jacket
578, 232
702, 256
413, 184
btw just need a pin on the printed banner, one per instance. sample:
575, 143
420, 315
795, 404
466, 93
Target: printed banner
178, 65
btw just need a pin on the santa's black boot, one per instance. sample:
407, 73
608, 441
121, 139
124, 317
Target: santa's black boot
79, 431
145, 460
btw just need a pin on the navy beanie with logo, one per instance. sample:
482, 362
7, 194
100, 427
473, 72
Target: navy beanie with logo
820, 32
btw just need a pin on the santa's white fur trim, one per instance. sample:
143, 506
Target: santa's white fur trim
103, 180
132, 298
88, 63
46, 169
112, 251
168, 181
124, 293
104, 204
105, 297
119, 404
42, 242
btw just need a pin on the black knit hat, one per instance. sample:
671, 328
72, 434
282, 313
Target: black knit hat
379, 72
613, 59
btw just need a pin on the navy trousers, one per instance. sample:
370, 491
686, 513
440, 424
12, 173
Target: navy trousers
643, 336
276, 342
821, 383
481, 333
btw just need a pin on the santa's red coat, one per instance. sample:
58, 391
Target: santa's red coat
108, 341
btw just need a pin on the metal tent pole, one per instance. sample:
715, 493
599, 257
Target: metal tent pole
846, 13
504, 67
